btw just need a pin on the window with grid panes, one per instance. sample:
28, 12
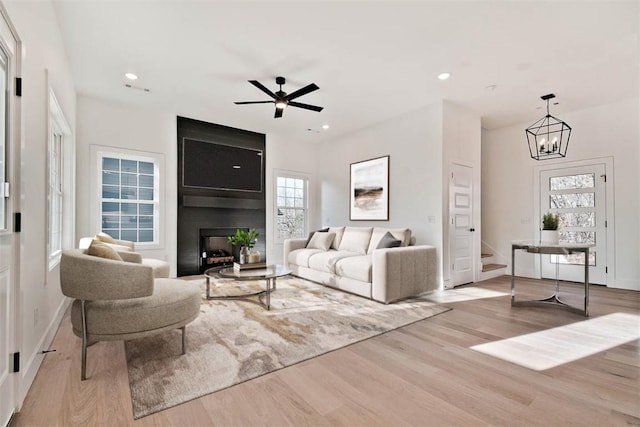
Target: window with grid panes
55, 196
291, 207
129, 199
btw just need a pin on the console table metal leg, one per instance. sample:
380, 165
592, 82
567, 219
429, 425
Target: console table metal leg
586, 282
513, 275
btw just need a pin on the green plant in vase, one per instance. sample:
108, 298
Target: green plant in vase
549, 233
550, 221
245, 239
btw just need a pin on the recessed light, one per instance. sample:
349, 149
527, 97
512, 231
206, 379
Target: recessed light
236, 166
131, 76
325, 127
444, 76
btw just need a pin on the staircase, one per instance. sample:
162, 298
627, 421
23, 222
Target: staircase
490, 268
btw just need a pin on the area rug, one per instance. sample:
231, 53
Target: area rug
235, 341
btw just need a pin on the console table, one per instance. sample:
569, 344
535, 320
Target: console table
551, 249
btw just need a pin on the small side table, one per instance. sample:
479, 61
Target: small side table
551, 249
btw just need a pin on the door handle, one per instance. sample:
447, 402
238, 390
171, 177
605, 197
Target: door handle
472, 230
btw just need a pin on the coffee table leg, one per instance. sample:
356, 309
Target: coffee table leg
208, 284
268, 293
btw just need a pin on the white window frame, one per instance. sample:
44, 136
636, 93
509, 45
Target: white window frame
59, 182
97, 153
293, 175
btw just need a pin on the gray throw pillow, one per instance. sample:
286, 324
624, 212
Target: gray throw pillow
388, 241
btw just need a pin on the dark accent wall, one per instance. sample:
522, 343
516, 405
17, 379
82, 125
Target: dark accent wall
208, 208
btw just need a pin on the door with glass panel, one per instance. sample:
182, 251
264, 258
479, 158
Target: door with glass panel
578, 196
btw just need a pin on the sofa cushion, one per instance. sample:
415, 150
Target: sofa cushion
321, 241
339, 231
301, 256
402, 234
356, 239
99, 249
388, 241
357, 267
326, 261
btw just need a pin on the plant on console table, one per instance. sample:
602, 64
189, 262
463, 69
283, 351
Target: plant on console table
246, 240
549, 232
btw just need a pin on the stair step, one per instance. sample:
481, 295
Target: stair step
485, 255
490, 267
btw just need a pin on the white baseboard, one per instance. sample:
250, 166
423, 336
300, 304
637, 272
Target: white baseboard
632, 285
30, 368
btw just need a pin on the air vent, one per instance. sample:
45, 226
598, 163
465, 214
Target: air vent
143, 89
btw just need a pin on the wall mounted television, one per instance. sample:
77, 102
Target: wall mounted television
209, 165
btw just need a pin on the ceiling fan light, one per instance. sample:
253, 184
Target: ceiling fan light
281, 105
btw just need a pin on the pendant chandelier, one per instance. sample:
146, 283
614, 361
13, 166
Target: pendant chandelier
548, 138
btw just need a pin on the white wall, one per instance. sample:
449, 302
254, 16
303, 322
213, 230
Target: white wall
414, 144
461, 144
293, 157
41, 301
108, 124
507, 181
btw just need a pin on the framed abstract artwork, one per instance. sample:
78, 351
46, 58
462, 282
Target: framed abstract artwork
369, 199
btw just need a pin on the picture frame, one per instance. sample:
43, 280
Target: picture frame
369, 190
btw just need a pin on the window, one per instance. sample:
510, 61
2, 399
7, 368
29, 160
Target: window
291, 207
55, 194
3, 139
59, 183
129, 197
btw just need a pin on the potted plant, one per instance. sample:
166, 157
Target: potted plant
549, 232
245, 239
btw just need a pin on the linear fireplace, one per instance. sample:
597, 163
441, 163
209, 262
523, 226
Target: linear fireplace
215, 249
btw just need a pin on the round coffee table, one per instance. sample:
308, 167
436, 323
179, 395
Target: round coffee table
269, 274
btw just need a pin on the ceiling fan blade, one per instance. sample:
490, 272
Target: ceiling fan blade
305, 106
253, 102
262, 88
278, 113
305, 90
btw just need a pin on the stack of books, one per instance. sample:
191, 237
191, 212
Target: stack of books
249, 266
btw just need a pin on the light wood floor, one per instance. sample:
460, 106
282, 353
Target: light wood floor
424, 374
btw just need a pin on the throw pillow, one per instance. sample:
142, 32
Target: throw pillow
388, 241
321, 240
99, 249
118, 248
105, 238
322, 230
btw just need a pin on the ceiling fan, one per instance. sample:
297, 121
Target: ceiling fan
281, 99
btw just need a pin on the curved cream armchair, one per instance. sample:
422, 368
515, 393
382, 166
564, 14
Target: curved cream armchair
116, 300
125, 248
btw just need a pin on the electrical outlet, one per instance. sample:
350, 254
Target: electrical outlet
431, 219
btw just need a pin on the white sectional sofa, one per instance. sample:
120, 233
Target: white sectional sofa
352, 262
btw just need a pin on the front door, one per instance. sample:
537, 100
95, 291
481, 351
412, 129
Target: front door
8, 203
578, 196
461, 224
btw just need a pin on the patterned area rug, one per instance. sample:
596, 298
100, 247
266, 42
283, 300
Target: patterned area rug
235, 341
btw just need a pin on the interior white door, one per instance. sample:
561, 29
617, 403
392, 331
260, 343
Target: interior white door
461, 229
578, 196
8, 165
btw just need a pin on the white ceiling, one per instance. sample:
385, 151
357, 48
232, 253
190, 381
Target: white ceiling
372, 60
